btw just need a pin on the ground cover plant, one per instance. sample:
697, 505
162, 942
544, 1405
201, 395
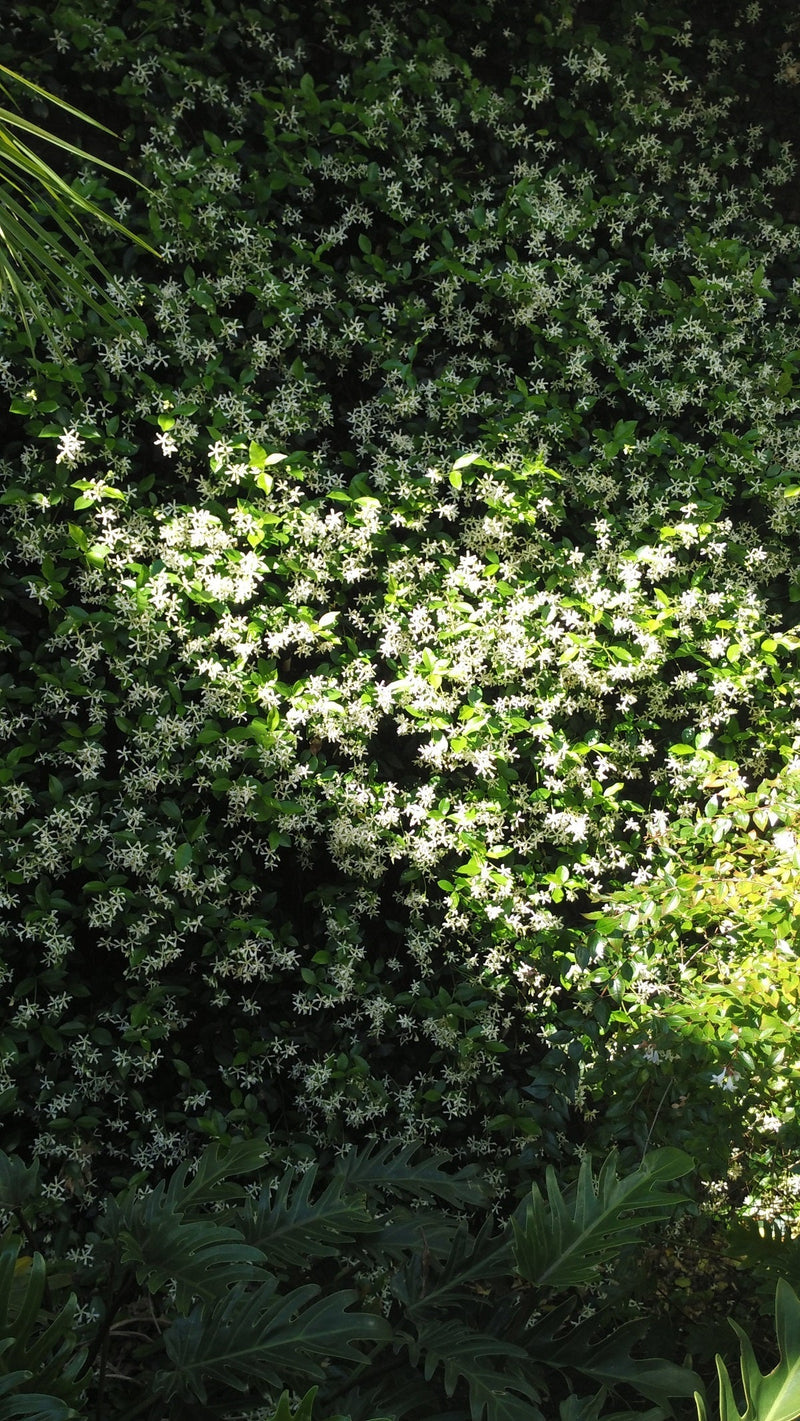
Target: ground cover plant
399, 684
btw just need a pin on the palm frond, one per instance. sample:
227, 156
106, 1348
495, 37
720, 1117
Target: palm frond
30, 254
45, 94
17, 158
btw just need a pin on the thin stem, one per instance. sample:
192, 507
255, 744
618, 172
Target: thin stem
102, 1341
105, 1343
655, 1117
122, 1331
112, 1309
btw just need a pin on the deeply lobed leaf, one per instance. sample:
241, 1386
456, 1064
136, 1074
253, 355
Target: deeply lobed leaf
568, 1240
776, 1396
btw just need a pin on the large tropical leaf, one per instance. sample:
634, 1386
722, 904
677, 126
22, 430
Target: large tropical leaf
426, 1283
254, 1339
34, 1345
292, 1229
567, 1241
210, 1180
592, 1408
401, 1393
19, 1182
421, 1231
393, 1167
283, 1411
767, 1246
776, 1396
35, 1405
606, 1358
304, 1411
200, 1257
501, 1393
170, 1235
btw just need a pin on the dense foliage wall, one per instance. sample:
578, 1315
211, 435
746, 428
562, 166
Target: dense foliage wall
409, 576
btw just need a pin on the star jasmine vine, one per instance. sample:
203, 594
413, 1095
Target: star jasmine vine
399, 666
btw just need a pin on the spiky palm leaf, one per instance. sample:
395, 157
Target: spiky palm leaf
567, 1241
36, 205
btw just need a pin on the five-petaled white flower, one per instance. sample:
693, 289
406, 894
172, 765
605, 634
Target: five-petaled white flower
166, 443
726, 1078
